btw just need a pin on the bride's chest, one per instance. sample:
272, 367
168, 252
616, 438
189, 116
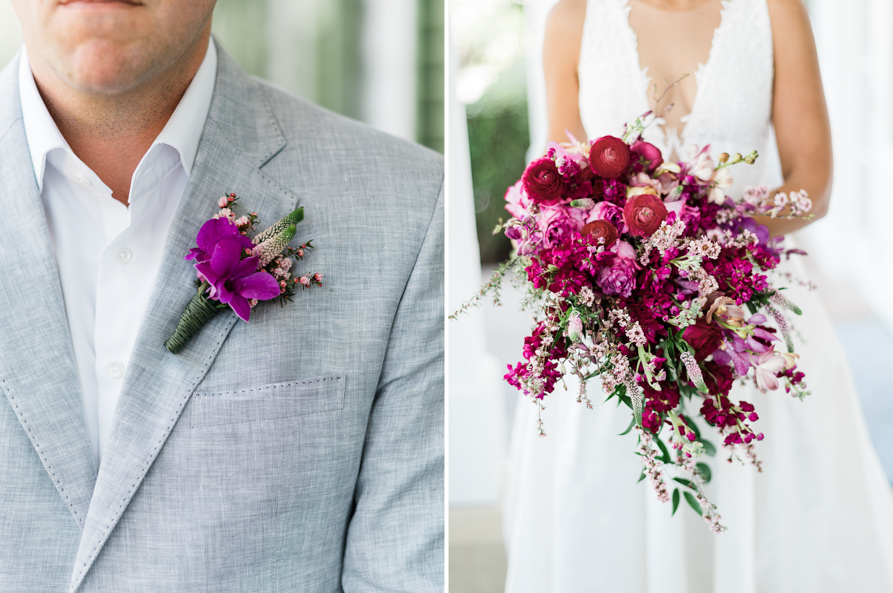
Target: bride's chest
728, 90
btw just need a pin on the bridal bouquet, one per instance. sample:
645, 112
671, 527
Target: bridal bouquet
646, 274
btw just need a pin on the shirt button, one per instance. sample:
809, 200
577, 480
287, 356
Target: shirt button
83, 180
116, 370
124, 255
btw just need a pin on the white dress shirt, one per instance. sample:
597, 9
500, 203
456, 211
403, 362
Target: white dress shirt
109, 254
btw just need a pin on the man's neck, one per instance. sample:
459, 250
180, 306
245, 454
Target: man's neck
111, 134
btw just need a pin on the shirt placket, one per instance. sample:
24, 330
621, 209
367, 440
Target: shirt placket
115, 280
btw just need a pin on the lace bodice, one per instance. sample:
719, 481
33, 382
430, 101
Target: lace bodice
732, 108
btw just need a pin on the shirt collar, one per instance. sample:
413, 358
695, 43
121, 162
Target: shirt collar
182, 131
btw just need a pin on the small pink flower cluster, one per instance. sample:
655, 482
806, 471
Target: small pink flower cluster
653, 466
642, 270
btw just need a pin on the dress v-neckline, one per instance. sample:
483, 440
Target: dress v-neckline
678, 138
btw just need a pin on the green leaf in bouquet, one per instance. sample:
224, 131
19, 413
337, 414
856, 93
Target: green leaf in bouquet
626, 400
693, 503
686, 390
705, 472
665, 453
641, 477
675, 501
684, 482
632, 423
694, 427
709, 448
672, 375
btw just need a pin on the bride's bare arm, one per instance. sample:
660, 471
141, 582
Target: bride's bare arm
561, 53
799, 112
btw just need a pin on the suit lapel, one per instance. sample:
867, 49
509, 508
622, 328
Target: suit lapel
239, 136
38, 373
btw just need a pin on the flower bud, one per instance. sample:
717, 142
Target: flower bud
724, 158
575, 328
585, 204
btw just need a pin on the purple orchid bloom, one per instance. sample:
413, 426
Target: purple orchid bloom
234, 281
213, 232
749, 224
735, 351
766, 367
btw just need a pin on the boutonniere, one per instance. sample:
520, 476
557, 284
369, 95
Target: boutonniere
237, 272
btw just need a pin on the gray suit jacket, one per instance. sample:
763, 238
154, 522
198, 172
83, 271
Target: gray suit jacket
300, 452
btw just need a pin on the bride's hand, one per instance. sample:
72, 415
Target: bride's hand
799, 113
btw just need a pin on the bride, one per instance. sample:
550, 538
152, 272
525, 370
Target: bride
819, 517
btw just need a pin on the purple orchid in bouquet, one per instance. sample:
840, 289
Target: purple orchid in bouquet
237, 272
650, 276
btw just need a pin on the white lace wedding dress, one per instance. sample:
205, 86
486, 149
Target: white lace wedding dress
818, 519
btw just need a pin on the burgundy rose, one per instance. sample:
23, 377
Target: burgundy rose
705, 338
643, 214
600, 229
649, 153
619, 279
543, 182
609, 157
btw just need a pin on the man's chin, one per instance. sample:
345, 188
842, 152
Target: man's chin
104, 70
99, 5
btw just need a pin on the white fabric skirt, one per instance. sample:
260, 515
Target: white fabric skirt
818, 519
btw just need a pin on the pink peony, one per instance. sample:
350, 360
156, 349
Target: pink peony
624, 250
517, 201
618, 279
557, 224
610, 212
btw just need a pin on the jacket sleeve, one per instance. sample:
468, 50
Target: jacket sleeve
395, 539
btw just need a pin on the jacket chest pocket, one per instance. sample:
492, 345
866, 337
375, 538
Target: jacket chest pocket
275, 401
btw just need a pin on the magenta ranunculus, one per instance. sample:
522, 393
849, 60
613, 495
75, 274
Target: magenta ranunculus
647, 152
601, 229
557, 224
643, 214
543, 182
618, 279
704, 338
609, 157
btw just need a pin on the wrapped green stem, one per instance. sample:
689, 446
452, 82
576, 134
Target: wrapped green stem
198, 312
